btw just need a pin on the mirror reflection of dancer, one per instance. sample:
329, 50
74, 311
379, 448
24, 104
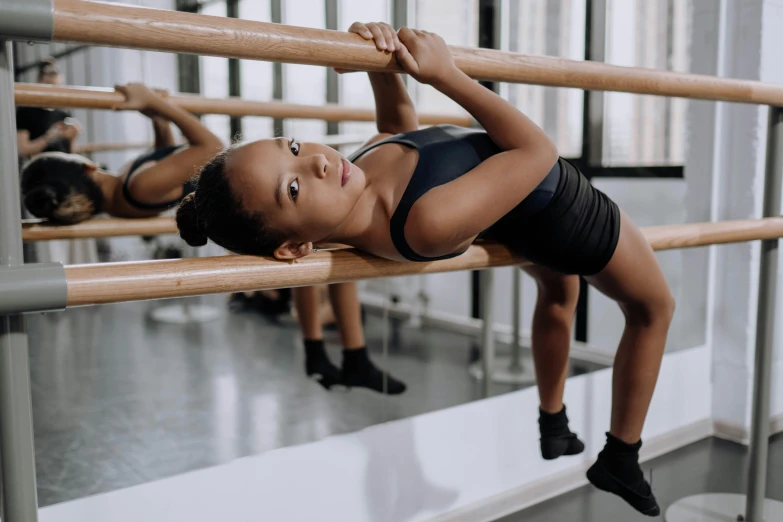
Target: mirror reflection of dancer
40, 129
68, 188
422, 195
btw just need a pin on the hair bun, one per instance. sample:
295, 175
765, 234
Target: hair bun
41, 201
188, 224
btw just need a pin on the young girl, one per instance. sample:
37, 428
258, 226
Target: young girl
68, 188
420, 195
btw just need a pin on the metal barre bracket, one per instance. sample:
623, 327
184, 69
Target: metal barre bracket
35, 287
27, 19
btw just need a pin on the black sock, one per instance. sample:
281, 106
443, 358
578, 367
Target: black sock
318, 366
358, 370
617, 471
556, 438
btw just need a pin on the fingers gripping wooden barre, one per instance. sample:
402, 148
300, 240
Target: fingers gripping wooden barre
143, 28
117, 282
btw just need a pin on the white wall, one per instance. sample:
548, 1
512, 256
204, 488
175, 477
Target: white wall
727, 159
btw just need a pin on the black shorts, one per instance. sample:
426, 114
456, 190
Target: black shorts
576, 233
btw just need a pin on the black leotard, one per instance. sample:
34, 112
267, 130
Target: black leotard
153, 155
564, 224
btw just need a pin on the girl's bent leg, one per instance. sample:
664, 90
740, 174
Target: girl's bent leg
634, 279
317, 364
636, 282
358, 369
551, 340
551, 333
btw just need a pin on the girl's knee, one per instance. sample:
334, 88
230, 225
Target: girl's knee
561, 291
657, 310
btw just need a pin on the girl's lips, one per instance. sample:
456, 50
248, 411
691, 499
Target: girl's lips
345, 171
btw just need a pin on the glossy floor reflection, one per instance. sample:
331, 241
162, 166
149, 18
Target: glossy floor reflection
710, 466
119, 399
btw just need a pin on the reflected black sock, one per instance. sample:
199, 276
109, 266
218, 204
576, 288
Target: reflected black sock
556, 438
318, 366
617, 471
359, 371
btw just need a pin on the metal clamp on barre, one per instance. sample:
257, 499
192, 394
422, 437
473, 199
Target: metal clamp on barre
27, 20
35, 287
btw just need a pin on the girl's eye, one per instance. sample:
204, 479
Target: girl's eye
294, 148
293, 189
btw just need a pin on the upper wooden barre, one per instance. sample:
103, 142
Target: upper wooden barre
333, 140
134, 27
40, 95
88, 148
119, 282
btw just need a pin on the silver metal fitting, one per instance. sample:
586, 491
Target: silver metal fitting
27, 19
36, 287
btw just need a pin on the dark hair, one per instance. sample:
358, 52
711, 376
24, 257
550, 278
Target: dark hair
47, 63
214, 212
57, 186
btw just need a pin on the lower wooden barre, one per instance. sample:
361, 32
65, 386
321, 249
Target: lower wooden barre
669, 237
660, 237
119, 282
99, 227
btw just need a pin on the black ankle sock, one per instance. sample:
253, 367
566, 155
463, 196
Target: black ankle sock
617, 471
359, 371
318, 366
556, 438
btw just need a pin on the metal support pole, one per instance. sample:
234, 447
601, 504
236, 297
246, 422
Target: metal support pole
278, 124
510, 369
17, 458
487, 335
757, 508
515, 363
765, 325
332, 78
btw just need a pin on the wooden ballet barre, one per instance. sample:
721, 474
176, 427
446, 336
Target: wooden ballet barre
118, 25
35, 230
664, 237
134, 281
41, 95
336, 140
88, 148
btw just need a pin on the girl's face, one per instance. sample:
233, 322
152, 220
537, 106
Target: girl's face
306, 190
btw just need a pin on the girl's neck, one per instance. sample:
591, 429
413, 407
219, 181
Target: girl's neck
108, 183
367, 225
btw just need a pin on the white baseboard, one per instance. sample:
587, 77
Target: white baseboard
472, 327
529, 495
741, 434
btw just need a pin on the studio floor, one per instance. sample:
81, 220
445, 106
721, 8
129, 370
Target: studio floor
120, 400
709, 466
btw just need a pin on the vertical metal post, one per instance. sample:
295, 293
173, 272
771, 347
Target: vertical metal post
277, 71
765, 325
592, 129
400, 18
332, 78
487, 334
515, 362
234, 75
17, 458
